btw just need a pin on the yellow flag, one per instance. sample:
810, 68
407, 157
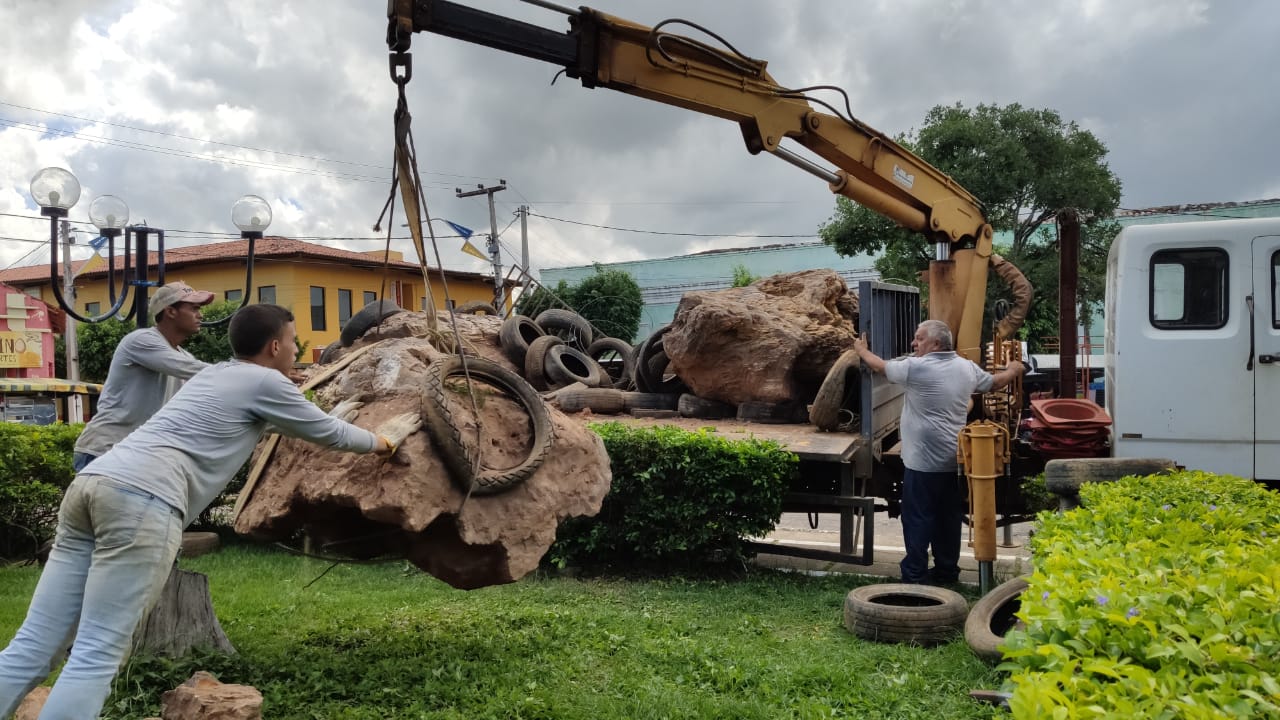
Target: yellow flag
470, 249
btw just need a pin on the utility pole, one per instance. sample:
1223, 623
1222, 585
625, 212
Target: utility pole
75, 409
494, 255
524, 247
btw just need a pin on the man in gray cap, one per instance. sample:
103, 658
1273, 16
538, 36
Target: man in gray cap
147, 368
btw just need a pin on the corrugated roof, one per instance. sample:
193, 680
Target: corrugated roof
1191, 208
276, 248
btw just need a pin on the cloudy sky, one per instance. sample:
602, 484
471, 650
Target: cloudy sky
180, 108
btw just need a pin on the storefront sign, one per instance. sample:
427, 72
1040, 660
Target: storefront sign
20, 349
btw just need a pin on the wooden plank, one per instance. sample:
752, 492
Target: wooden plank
269, 446
806, 441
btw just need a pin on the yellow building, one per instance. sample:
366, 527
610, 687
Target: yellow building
323, 286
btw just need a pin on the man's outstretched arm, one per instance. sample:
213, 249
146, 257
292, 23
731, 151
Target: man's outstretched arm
870, 360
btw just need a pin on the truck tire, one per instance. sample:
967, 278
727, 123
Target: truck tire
644, 353
624, 351
515, 335
825, 411
330, 353
476, 306
569, 325
605, 401
1063, 477
566, 365
650, 401
761, 411
535, 360
992, 617
369, 316
439, 423
692, 406
896, 612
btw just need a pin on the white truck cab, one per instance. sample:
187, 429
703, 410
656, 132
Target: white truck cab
1193, 345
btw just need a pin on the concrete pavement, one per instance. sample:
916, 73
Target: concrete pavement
795, 529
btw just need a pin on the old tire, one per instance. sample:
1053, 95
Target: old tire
1064, 477
644, 353
992, 617
476, 306
825, 411
195, 544
330, 353
650, 401
566, 365
569, 325
692, 406
535, 368
605, 401
895, 612
438, 421
625, 352
369, 316
654, 371
761, 411
515, 335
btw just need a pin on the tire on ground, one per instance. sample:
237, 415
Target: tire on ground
992, 617
195, 544
476, 306
692, 406
825, 412
896, 612
569, 325
369, 316
626, 353
650, 401
439, 423
565, 365
644, 353
605, 401
1064, 476
535, 368
515, 335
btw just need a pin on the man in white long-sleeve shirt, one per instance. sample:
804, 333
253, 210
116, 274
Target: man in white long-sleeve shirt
121, 521
147, 368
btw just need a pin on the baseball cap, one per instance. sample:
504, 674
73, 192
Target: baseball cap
176, 292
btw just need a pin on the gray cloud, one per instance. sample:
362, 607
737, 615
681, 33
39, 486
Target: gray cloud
1178, 92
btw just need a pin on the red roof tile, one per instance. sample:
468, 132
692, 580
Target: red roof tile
267, 247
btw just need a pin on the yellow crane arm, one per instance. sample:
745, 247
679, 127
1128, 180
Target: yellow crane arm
871, 169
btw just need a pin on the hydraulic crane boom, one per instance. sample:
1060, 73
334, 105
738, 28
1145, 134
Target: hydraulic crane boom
871, 169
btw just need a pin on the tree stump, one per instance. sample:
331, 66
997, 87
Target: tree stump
183, 619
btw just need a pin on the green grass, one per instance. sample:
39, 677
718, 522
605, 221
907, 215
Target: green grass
389, 642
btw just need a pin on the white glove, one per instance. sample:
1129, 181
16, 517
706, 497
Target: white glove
395, 430
346, 410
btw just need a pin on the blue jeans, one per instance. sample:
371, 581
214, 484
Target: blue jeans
932, 509
80, 460
111, 556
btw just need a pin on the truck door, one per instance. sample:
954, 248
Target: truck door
1266, 357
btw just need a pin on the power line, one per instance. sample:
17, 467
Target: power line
657, 232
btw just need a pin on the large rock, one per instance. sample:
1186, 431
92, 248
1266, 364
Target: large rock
361, 506
773, 340
202, 697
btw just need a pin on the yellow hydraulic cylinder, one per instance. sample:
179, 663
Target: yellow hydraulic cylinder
984, 452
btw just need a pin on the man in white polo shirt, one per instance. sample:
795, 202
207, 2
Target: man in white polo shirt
939, 384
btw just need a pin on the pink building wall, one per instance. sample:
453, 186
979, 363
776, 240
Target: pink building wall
29, 318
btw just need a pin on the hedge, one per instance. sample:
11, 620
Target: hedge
35, 469
679, 500
1159, 598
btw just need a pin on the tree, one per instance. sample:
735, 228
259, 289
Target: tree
542, 298
1024, 165
211, 344
97, 343
611, 301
